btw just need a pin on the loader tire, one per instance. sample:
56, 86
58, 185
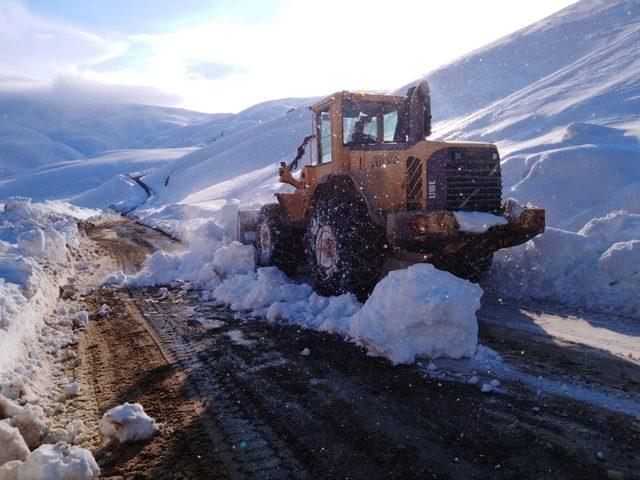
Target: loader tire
278, 243
345, 248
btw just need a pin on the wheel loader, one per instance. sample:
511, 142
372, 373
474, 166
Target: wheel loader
378, 195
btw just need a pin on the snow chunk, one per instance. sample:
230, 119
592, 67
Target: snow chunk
621, 262
8, 408
32, 242
59, 462
419, 311
12, 445
127, 423
9, 471
305, 352
104, 310
32, 423
234, 259
478, 222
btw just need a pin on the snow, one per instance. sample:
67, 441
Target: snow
127, 423
35, 239
32, 423
9, 471
8, 408
12, 445
596, 267
234, 259
419, 311
478, 222
59, 462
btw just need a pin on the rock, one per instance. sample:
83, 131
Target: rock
71, 390
486, 388
495, 383
616, 475
55, 435
81, 318
104, 310
67, 291
473, 380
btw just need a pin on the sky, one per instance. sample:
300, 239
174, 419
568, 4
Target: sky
225, 55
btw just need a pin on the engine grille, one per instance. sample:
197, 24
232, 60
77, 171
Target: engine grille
473, 180
414, 183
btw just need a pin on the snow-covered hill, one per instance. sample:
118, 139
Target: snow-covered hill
560, 98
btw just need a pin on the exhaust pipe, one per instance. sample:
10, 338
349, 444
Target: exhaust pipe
419, 98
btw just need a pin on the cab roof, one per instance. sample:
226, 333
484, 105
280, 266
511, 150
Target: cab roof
345, 95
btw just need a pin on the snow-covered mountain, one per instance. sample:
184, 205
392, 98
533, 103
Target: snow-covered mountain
560, 98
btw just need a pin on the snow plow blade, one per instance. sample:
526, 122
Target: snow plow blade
429, 236
247, 226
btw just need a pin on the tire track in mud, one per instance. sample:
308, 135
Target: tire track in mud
342, 414
238, 400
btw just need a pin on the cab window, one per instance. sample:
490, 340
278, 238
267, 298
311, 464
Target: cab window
324, 134
367, 122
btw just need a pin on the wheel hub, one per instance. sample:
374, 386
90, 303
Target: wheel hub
326, 253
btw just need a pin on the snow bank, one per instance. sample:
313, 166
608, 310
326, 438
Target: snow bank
419, 311
36, 259
478, 222
127, 423
416, 311
59, 462
598, 267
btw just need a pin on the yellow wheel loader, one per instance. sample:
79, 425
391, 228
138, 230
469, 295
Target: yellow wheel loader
378, 195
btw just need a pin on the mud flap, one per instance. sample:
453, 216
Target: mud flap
247, 229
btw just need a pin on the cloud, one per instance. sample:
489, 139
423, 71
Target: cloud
35, 47
80, 91
212, 70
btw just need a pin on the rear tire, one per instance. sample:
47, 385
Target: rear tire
345, 248
278, 243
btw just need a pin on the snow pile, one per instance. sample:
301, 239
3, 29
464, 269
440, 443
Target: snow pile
416, 311
478, 222
234, 259
257, 291
419, 311
59, 462
127, 423
598, 267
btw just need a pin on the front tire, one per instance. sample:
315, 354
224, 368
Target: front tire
278, 243
345, 248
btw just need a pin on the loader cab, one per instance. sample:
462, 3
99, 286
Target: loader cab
347, 122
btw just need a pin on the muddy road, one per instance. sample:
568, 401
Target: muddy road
236, 398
